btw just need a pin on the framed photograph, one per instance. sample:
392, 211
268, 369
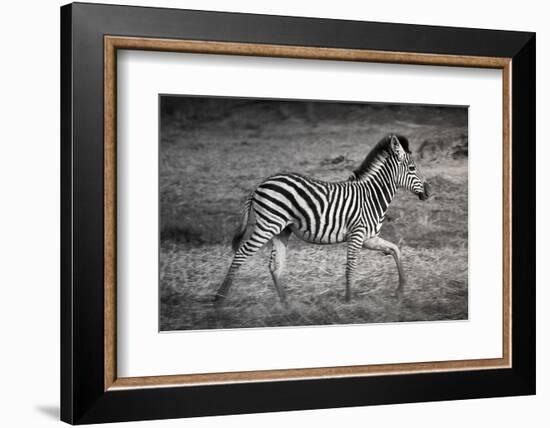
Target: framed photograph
266, 213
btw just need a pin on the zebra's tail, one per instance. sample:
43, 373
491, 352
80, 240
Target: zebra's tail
236, 242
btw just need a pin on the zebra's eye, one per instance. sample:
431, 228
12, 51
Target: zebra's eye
412, 168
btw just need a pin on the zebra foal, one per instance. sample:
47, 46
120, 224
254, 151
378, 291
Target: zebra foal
323, 212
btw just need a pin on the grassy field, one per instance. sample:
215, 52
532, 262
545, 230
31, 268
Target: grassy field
213, 155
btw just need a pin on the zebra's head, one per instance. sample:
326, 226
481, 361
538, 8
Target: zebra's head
407, 174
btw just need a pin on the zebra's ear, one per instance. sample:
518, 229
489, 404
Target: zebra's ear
397, 148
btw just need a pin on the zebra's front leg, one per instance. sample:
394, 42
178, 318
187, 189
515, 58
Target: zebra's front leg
355, 242
378, 244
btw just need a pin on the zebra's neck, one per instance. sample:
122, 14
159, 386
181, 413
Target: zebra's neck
381, 186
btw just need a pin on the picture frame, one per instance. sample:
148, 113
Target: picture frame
91, 391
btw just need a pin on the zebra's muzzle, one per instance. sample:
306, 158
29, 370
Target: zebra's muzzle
426, 193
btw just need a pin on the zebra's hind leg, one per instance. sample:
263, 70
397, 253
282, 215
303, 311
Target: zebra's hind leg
250, 246
378, 244
355, 242
278, 261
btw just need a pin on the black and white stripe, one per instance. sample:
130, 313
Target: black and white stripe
323, 212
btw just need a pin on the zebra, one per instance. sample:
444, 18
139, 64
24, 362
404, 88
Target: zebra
322, 212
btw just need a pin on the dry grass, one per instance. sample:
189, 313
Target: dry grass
207, 170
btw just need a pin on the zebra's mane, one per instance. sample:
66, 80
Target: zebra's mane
379, 152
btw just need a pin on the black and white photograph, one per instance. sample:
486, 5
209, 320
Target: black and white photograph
306, 213
266, 214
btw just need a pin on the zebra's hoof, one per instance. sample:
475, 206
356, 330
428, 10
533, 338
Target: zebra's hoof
398, 293
218, 299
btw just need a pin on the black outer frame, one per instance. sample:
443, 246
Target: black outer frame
83, 399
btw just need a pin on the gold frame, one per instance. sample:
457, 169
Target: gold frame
113, 43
